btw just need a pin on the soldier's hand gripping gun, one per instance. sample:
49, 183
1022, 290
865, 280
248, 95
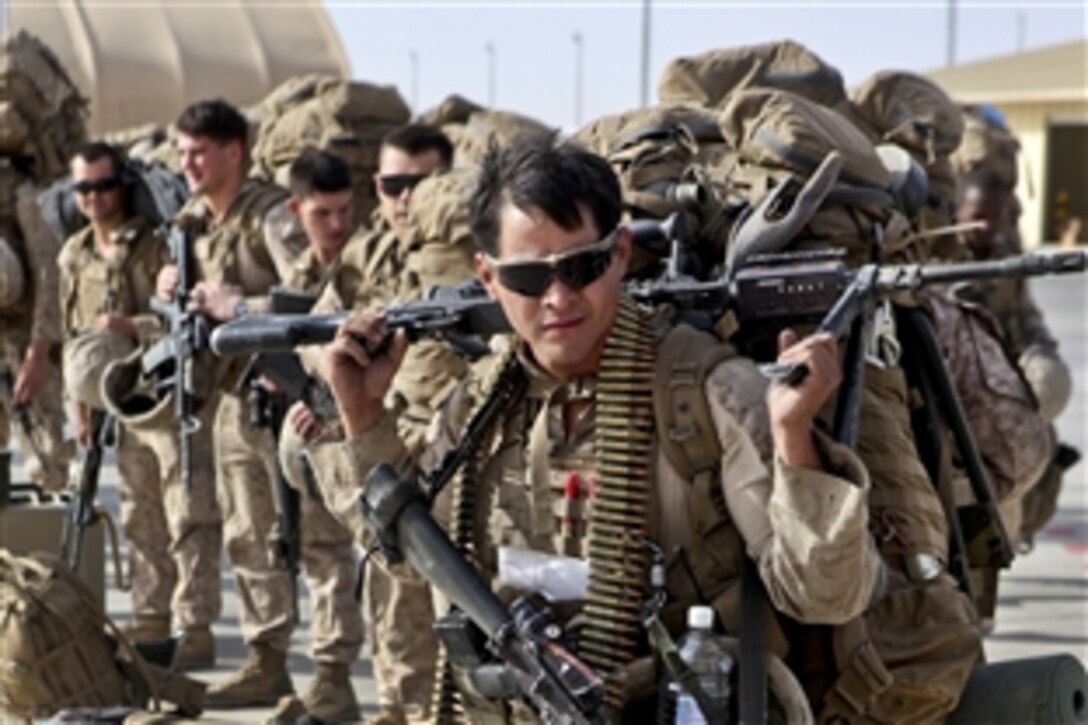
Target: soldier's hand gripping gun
559, 687
171, 360
460, 314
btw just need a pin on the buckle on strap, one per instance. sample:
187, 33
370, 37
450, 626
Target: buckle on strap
863, 678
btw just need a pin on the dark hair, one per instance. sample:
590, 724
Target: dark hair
535, 173
216, 119
93, 151
315, 171
985, 180
417, 138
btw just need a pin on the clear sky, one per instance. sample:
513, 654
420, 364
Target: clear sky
534, 49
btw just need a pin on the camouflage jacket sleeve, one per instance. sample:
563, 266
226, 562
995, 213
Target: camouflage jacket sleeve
806, 530
42, 248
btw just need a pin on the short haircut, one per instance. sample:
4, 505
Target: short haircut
417, 138
534, 173
985, 180
315, 171
93, 151
215, 119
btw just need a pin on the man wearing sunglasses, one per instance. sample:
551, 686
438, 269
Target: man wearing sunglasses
583, 361
108, 273
396, 259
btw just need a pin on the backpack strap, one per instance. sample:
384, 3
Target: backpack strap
686, 431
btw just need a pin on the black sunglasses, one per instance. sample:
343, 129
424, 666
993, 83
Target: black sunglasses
395, 184
576, 269
106, 183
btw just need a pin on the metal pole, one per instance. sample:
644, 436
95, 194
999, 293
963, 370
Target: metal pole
1021, 31
950, 59
490, 48
413, 58
577, 38
644, 91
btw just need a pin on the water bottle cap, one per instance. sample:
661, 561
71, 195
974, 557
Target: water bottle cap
700, 617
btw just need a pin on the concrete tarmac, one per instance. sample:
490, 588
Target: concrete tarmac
1043, 599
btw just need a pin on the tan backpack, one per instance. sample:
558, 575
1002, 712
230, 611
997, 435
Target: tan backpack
474, 129
54, 653
711, 78
42, 114
910, 111
777, 134
349, 118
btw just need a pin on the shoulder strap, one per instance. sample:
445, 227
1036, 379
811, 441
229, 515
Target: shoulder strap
685, 427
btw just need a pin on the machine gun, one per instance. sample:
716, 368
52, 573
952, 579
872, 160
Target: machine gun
560, 688
460, 314
171, 360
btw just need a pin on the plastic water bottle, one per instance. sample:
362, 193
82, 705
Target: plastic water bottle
708, 656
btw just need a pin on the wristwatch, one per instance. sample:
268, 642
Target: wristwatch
241, 309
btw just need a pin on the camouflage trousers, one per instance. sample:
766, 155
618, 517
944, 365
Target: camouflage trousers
398, 613
47, 425
245, 461
328, 564
177, 574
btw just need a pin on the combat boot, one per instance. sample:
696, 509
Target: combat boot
330, 696
147, 628
196, 650
260, 682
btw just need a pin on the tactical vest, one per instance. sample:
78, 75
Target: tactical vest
94, 286
234, 251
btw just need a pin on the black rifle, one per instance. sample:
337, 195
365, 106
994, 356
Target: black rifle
21, 413
171, 360
81, 510
559, 687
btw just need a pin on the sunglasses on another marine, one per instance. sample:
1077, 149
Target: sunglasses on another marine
106, 183
395, 184
577, 268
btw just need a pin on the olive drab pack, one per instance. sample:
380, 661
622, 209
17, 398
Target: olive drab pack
711, 78
55, 653
42, 114
349, 118
988, 145
474, 129
777, 134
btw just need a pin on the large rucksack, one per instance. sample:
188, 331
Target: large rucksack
776, 135
349, 118
55, 653
42, 114
474, 129
709, 79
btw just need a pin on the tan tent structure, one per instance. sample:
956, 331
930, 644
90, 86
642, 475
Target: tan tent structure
142, 62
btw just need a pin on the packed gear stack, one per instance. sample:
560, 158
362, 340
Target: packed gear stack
349, 118
42, 113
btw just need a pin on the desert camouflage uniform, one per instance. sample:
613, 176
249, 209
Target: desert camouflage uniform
378, 267
328, 551
235, 252
176, 574
37, 317
779, 520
